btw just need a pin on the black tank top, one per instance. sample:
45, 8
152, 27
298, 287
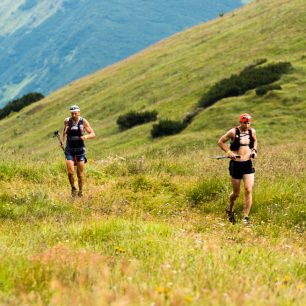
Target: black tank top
74, 132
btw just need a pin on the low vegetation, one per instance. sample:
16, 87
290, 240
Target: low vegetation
167, 127
262, 90
133, 118
18, 104
251, 77
238, 84
152, 230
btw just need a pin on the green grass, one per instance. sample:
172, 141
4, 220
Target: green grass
153, 230
151, 227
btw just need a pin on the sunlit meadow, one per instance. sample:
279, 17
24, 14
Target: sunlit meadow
152, 231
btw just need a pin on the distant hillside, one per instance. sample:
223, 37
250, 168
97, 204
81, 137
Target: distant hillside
48, 43
171, 76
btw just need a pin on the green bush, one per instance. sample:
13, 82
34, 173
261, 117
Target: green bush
17, 104
262, 90
167, 127
133, 118
248, 79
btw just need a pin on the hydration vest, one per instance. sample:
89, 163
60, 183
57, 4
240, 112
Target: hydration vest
235, 145
74, 132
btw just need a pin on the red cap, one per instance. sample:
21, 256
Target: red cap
245, 118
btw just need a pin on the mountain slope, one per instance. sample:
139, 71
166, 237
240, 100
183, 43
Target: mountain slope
46, 44
171, 76
151, 225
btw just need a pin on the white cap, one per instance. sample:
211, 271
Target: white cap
74, 108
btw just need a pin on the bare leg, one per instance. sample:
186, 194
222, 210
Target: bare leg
70, 169
235, 193
248, 180
80, 173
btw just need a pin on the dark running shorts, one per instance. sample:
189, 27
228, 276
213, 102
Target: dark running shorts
238, 169
79, 157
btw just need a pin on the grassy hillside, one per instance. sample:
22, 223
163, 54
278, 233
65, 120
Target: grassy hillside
151, 227
172, 75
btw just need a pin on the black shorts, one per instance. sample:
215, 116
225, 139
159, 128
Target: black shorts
76, 156
238, 169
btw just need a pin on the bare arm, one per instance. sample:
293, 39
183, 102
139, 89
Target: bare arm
63, 135
254, 150
222, 143
91, 134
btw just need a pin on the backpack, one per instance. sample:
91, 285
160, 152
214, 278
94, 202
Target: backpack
235, 145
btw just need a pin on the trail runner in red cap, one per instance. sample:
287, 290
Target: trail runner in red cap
243, 144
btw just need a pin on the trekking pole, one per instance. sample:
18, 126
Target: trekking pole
56, 134
222, 157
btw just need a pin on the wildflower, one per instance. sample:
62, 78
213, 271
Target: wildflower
163, 290
119, 250
286, 279
159, 290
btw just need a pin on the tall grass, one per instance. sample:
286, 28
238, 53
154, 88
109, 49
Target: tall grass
152, 231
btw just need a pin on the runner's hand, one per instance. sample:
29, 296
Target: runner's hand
231, 155
254, 154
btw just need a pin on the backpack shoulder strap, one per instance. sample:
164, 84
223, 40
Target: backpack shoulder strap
81, 126
237, 132
69, 123
235, 143
251, 145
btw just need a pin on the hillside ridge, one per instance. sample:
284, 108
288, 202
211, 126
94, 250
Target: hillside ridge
172, 75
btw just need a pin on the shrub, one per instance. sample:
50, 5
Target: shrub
262, 90
133, 118
167, 127
188, 117
17, 104
248, 79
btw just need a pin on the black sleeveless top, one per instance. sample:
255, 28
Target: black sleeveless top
74, 132
235, 145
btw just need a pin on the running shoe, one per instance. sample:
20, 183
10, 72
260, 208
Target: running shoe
246, 220
73, 192
230, 216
